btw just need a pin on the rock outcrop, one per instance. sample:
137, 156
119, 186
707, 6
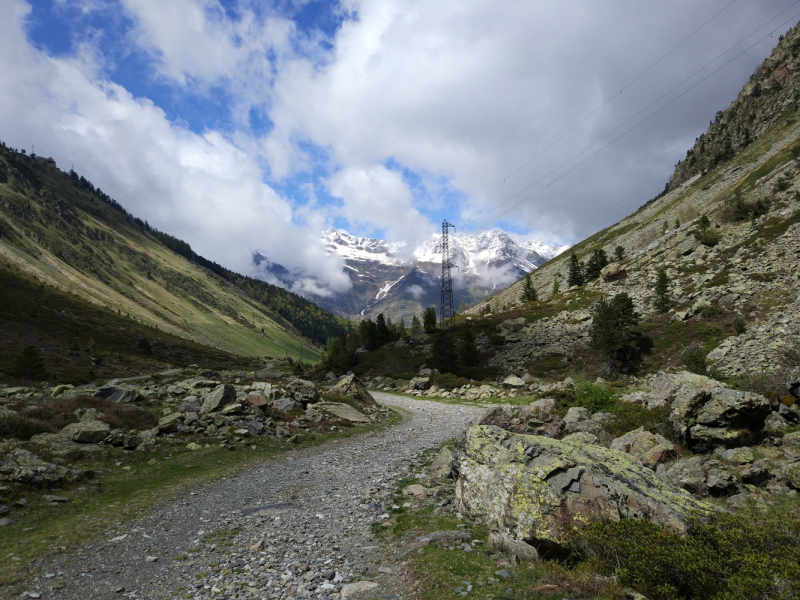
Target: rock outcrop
353, 388
536, 489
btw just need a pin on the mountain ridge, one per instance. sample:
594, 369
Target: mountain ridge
399, 281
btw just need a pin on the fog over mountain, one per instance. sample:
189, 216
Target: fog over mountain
400, 281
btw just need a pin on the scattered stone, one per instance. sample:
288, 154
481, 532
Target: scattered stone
86, 432
352, 590
513, 382
650, 449
118, 393
222, 396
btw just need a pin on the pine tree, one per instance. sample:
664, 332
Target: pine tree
415, 324
429, 320
612, 335
595, 265
443, 354
619, 253
528, 291
575, 275
677, 223
469, 351
29, 364
556, 284
663, 302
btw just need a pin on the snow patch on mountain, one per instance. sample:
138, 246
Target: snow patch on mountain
355, 248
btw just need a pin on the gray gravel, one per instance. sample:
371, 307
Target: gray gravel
314, 541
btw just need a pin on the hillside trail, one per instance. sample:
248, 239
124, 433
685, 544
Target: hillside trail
296, 526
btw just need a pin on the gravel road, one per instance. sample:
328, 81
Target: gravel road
307, 533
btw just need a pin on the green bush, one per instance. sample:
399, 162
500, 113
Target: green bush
739, 326
695, 361
751, 554
630, 415
29, 364
448, 381
593, 397
710, 310
708, 329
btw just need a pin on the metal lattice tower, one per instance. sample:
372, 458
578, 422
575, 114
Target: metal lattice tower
448, 313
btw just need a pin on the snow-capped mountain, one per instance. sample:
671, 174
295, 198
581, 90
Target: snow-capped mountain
390, 279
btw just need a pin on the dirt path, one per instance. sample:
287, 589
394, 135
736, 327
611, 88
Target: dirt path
310, 536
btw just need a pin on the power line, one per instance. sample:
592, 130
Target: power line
627, 121
610, 98
602, 210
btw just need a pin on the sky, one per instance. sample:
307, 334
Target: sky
244, 125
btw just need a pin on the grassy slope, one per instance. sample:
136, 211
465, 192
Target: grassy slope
113, 265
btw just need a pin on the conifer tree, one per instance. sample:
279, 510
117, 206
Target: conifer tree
429, 320
528, 291
612, 335
663, 302
469, 351
619, 253
575, 275
595, 265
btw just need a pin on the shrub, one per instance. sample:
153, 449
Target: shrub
29, 364
695, 361
37, 417
708, 329
739, 326
630, 415
448, 381
469, 351
710, 310
593, 397
752, 554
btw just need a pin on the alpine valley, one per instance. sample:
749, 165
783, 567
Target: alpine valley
390, 278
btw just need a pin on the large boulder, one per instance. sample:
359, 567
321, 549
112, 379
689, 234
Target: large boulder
718, 417
537, 418
667, 387
303, 391
537, 489
22, 466
86, 432
513, 382
219, 398
120, 392
419, 383
342, 411
650, 449
351, 387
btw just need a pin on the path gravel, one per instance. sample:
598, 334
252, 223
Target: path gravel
312, 538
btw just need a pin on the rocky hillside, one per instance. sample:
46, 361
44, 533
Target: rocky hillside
773, 89
743, 272
79, 246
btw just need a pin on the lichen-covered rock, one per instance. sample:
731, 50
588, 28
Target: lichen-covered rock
190, 404
303, 391
648, 448
537, 489
718, 417
352, 387
22, 466
285, 404
683, 386
537, 418
86, 432
170, 423
219, 398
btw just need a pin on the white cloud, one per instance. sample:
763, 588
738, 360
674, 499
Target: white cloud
378, 197
201, 188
